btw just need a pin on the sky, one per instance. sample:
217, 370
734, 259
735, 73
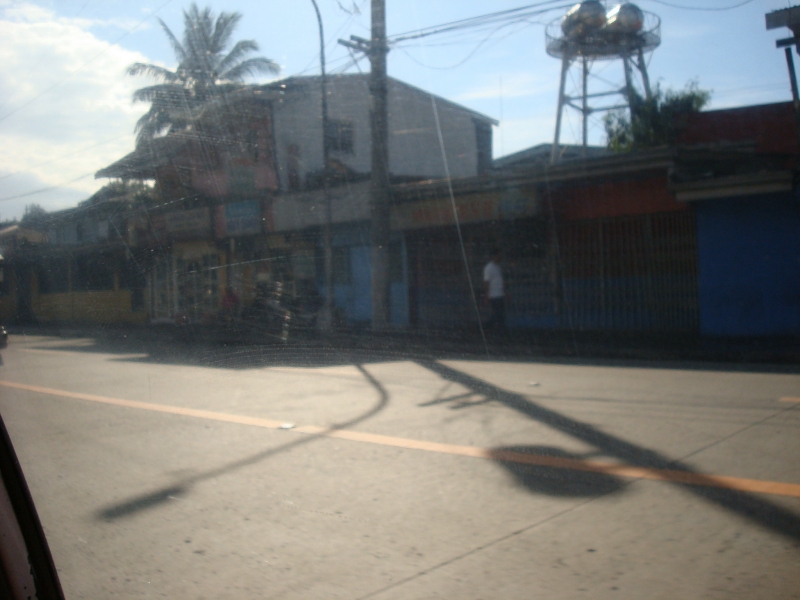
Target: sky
65, 100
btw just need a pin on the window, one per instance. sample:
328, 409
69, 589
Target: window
340, 136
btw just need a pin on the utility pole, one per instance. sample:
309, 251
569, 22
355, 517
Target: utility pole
380, 168
326, 318
789, 17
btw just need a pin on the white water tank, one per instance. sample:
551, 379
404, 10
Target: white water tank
583, 19
625, 18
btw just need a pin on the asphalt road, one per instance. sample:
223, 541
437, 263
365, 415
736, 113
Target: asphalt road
238, 472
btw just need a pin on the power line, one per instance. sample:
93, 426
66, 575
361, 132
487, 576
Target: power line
474, 21
703, 8
60, 156
473, 51
46, 189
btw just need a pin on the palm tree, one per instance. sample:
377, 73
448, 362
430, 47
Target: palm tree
204, 70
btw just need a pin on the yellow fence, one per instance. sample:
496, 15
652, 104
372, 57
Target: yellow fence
87, 307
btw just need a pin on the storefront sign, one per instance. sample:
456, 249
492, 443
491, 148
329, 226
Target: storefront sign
238, 218
185, 224
470, 209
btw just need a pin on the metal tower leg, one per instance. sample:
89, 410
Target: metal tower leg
560, 110
626, 61
645, 77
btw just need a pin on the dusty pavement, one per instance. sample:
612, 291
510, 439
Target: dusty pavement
242, 472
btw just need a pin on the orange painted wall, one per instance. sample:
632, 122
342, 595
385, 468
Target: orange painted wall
615, 199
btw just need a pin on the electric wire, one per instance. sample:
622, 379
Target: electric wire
471, 22
457, 221
471, 53
61, 156
46, 189
703, 8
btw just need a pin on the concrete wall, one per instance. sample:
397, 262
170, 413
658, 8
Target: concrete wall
749, 265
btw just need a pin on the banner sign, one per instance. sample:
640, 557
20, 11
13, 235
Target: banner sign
471, 209
237, 218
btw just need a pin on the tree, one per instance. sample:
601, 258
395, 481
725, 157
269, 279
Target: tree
656, 121
33, 212
137, 191
205, 69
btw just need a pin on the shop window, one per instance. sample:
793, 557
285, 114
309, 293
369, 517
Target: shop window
340, 136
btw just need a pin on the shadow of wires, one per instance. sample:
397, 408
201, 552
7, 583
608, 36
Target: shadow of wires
746, 505
181, 487
555, 481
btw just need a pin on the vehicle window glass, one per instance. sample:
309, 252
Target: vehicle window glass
382, 299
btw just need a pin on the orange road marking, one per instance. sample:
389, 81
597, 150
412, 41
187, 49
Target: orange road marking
789, 399
164, 408
720, 481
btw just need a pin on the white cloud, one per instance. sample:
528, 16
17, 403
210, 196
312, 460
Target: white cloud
65, 104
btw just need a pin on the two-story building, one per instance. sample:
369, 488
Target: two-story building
242, 200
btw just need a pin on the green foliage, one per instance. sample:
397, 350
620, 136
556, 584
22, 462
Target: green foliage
33, 212
656, 121
206, 68
132, 191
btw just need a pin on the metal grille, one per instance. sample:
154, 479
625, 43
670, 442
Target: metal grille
634, 273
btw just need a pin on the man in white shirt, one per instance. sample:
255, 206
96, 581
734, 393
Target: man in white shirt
494, 291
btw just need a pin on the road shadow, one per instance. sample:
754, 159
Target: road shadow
183, 486
555, 481
231, 356
162, 346
748, 506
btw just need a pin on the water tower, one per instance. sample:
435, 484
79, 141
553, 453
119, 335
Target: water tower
588, 34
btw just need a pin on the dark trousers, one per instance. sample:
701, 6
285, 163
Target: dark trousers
498, 318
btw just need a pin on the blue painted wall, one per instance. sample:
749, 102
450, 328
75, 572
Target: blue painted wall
749, 265
355, 298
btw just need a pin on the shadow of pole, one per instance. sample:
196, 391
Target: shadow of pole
760, 511
179, 488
